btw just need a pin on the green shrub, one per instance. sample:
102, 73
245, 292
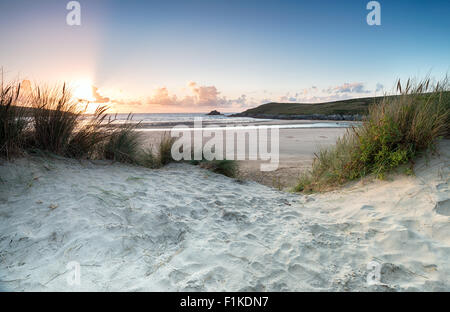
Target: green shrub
225, 167
159, 157
89, 136
123, 143
165, 149
55, 118
148, 159
395, 132
13, 123
57, 125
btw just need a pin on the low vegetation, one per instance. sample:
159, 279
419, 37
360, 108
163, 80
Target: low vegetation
165, 150
225, 167
49, 120
90, 135
394, 133
346, 107
159, 156
13, 125
352, 107
55, 119
123, 143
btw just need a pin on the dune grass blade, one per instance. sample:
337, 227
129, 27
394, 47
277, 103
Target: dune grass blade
395, 132
55, 118
123, 143
147, 158
86, 140
13, 123
165, 149
158, 156
225, 167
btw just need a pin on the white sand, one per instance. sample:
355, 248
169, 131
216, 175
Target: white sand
296, 153
184, 228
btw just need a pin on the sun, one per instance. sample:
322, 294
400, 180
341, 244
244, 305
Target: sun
82, 90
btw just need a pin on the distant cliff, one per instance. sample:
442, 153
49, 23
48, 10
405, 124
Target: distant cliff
353, 109
356, 117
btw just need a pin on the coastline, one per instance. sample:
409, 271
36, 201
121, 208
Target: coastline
322, 117
231, 122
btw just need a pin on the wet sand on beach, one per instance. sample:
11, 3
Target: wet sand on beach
296, 152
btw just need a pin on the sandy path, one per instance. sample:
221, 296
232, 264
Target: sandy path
184, 228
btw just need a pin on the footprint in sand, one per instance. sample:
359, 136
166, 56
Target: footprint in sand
443, 207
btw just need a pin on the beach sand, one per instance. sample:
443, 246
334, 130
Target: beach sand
297, 148
183, 228
296, 151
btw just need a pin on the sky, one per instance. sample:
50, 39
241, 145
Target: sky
197, 55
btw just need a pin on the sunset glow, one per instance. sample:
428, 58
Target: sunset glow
82, 90
196, 56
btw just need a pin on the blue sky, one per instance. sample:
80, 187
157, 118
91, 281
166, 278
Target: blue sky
196, 55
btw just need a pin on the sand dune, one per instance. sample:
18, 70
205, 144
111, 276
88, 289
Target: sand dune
184, 228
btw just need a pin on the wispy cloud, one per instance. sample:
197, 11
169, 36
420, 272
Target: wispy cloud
98, 98
127, 102
355, 87
162, 97
201, 96
207, 95
379, 87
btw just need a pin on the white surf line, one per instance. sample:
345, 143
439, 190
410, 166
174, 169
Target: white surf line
215, 128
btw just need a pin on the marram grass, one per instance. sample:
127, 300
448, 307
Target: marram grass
394, 133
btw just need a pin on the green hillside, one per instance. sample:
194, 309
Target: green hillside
347, 107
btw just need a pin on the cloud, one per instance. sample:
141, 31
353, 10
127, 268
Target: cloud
162, 97
287, 98
201, 96
324, 98
310, 99
207, 95
380, 87
356, 87
127, 102
266, 100
242, 100
98, 98
314, 95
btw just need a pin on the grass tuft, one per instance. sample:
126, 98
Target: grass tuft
148, 159
165, 150
50, 120
225, 167
397, 130
123, 143
85, 142
55, 118
13, 123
